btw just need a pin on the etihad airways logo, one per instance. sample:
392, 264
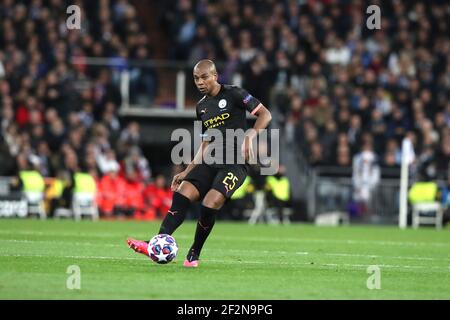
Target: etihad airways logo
216, 121
266, 147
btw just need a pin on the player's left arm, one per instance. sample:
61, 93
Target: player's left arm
263, 118
262, 121
246, 101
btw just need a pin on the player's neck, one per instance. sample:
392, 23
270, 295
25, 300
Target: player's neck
215, 91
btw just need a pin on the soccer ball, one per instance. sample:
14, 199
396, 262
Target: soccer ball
162, 248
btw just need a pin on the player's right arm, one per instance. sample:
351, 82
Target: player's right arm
177, 179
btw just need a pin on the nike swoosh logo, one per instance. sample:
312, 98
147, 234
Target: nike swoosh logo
205, 228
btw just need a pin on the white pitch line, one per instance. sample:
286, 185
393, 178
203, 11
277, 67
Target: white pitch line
343, 255
228, 262
388, 257
60, 234
382, 266
240, 238
67, 257
72, 243
244, 251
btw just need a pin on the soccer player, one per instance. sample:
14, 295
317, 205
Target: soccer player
222, 107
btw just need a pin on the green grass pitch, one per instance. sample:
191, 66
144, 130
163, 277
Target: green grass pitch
239, 261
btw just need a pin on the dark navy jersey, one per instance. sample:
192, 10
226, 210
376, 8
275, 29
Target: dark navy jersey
226, 110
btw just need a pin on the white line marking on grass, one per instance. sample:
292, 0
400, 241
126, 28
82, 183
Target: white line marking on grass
382, 265
60, 234
334, 241
389, 257
237, 238
342, 255
62, 243
224, 261
325, 264
67, 257
237, 250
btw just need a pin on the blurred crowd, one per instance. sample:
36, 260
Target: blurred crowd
59, 113
346, 95
339, 85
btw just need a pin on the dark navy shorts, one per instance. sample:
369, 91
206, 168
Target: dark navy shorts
226, 179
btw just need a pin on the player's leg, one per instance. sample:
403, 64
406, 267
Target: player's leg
181, 200
226, 182
211, 204
195, 184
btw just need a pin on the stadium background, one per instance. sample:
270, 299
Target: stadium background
105, 98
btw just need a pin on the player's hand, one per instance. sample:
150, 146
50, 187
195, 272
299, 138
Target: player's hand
247, 149
177, 179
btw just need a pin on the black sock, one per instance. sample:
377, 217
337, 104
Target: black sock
175, 216
204, 226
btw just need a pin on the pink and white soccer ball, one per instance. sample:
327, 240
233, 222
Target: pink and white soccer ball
162, 248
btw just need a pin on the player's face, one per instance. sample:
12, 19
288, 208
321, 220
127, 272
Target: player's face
204, 80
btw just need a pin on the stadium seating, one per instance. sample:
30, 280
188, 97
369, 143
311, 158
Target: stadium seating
35, 202
334, 83
427, 213
84, 204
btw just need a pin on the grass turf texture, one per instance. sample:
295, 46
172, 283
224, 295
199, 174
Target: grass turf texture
238, 262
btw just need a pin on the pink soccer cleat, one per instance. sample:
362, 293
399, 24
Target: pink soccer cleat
190, 264
191, 259
138, 246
